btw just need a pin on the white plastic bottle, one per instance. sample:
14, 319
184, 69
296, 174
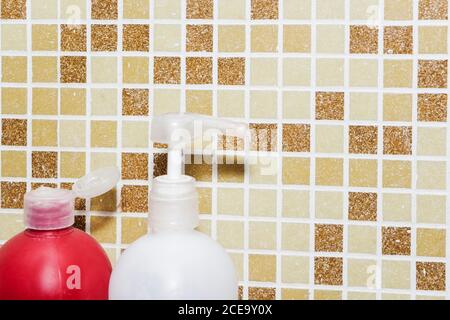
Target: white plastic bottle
174, 261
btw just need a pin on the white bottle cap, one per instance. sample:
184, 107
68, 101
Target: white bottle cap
174, 198
50, 209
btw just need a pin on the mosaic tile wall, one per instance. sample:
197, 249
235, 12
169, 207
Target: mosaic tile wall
348, 99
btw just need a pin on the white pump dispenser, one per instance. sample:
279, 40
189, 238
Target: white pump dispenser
174, 261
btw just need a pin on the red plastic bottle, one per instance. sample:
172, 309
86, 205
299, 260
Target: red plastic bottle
51, 259
55, 264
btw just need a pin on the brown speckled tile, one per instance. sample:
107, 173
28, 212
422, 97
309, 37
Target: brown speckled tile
73, 37
135, 37
198, 70
396, 241
398, 39
329, 106
80, 203
35, 185
14, 132
201, 172
264, 9
432, 107
363, 39
263, 136
432, 74
135, 102
397, 140
166, 70
328, 271
199, 37
231, 71
430, 276
135, 166
230, 143
104, 9
159, 164
103, 37
80, 222
433, 9
240, 292
134, 198
363, 139
44, 164
14, 9
105, 202
328, 237
12, 194
199, 9
230, 173
73, 69
362, 206
296, 137
256, 293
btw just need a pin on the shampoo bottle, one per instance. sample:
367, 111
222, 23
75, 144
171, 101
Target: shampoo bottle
52, 260
174, 261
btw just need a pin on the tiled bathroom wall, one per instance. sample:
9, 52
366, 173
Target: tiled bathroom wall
347, 101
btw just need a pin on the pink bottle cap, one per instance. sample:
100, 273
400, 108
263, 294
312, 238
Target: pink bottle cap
51, 209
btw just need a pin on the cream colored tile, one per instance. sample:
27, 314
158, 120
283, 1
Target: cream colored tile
135, 134
330, 72
396, 207
330, 9
431, 175
263, 170
167, 9
363, 73
294, 269
296, 72
72, 133
431, 209
44, 9
295, 237
263, 202
231, 38
296, 105
103, 102
329, 205
230, 234
263, 104
433, 40
167, 37
262, 235
231, 103
364, 10
14, 37
297, 9
230, 201
232, 9
73, 10
329, 139
395, 274
362, 273
104, 69
166, 100
431, 141
330, 38
263, 71
295, 204
103, 160
362, 239
363, 106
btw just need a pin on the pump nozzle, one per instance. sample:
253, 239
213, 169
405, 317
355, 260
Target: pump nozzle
177, 130
174, 199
